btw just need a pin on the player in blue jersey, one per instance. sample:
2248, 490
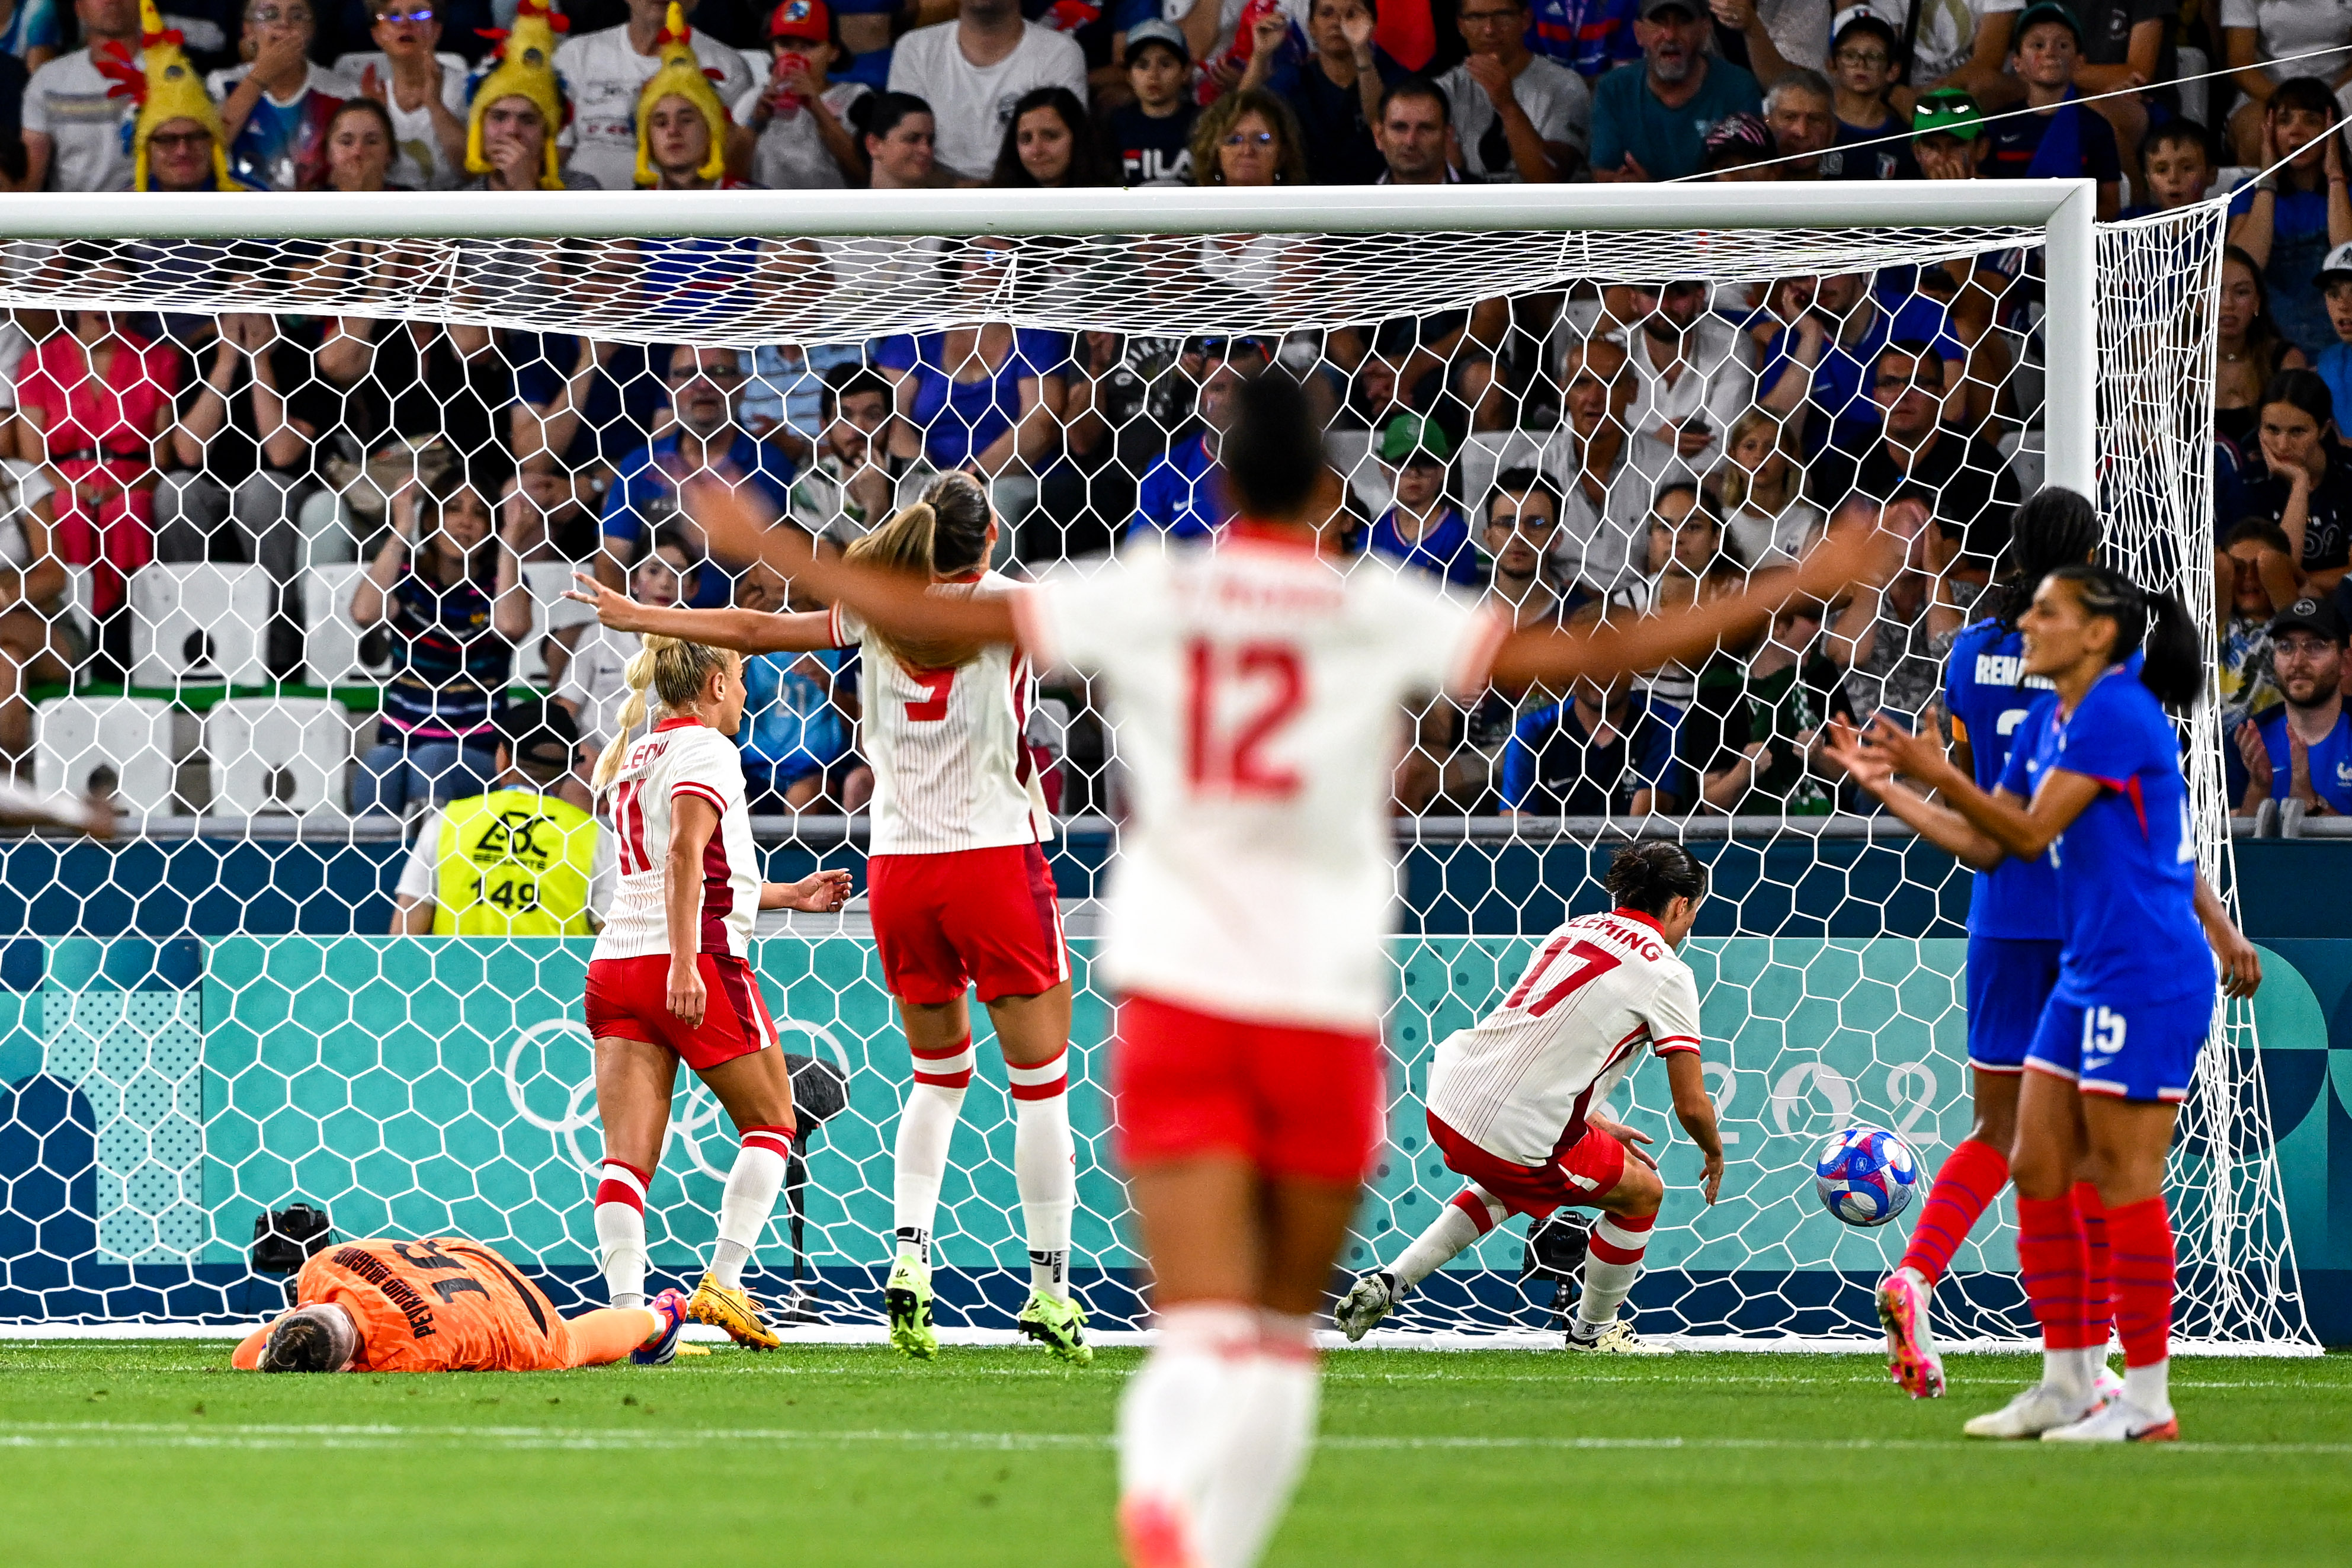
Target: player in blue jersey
2093, 780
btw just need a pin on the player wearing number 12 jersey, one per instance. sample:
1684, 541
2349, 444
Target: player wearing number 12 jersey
669, 980
1515, 1099
1258, 693
958, 885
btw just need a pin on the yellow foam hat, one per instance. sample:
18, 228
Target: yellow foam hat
165, 87
681, 75
526, 68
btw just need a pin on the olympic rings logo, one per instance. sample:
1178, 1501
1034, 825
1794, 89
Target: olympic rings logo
695, 1122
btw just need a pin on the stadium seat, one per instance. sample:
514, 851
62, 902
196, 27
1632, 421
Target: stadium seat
81, 601
277, 755
1351, 458
199, 623
2023, 450
332, 646
550, 611
73, 737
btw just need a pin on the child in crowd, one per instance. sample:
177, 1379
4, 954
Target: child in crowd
1422, 530
2255, 579
1864, 65
2063, 140
1151, 138
2289, 216
800, 127
2334, 362
2178, 159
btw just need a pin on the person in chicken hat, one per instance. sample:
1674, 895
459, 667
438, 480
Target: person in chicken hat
681, 124
518, 109
177, 141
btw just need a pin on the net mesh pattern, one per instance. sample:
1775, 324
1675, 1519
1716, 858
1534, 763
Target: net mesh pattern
213, 1025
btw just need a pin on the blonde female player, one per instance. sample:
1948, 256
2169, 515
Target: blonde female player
1258, 694
961, 896
668, 980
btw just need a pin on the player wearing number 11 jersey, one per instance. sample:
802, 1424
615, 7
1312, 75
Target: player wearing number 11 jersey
1258, 692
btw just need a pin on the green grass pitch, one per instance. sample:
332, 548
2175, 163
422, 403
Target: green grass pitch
155, 1453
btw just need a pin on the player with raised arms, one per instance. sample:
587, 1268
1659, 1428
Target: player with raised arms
670, 980
2093, 780
1513, 1100
1257, 692
957, 882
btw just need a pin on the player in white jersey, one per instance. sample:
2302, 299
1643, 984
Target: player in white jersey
669, 980
960, 896
1515, 1099
1259, 694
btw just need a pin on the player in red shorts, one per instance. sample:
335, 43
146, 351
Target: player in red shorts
1513, 1100
1258, 691
668, 981
960, 896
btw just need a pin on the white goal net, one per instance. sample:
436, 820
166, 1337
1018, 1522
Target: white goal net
293, 511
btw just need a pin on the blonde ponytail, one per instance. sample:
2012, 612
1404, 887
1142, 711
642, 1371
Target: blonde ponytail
668, 668
907, 544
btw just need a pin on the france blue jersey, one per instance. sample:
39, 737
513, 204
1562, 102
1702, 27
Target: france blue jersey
2127, 868
1989, 693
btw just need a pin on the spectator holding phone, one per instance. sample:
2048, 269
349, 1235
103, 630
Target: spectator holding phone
1694, 373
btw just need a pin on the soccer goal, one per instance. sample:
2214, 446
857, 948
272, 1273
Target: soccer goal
1581, 395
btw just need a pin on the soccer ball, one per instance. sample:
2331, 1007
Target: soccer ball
1866, 1175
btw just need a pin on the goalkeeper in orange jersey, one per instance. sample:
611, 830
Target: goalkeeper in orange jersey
446, 1305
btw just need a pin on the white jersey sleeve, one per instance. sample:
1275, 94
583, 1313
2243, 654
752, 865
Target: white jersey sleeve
1601, 990
682, 759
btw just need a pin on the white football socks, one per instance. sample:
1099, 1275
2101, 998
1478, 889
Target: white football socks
620, 1216
749, 1197
1269, 1435
2150, 1387
1044, 1171
1176, 1412
1455, 1229
926, 1124
1612, 1261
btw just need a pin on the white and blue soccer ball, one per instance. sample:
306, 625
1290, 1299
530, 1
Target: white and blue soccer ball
1866, 1175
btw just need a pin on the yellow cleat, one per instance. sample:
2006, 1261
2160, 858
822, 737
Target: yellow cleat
734, 1310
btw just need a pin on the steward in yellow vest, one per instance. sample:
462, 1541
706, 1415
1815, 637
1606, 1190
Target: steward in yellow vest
519, 860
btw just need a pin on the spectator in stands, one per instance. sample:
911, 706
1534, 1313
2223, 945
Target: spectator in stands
449, 591
2249, 351
1863, 71
34, 645
1948, 135
1422, 530
987, 397
2287, 220
2177, 161
1522, 525
32, 32
1739, 147
1694, 373
1590, 37
2300, 477
1109, 440
854, 482
1766, 518
783, 400
361, 148
582, 406
1604, 471
1248, 137
1048, 144
796, 724
1648, 121
277, 104
73, 119
422, 89
1964, 46
1818, 363
1415, 132
1336, 92
2301, 749
98, 398
606, 71
868, 29
595, 682
182, 154
1519, 116
2256, 577
1887, 640
1680, 555
1182, 495
706, 441
1801, 107
2335, 361
801, 128
1758, 721
1974, 491
2128, 44
974, 70
519, 860
1608, 751
1152, 137
2061, 140
2260, 41
520, 106
681, 131
900, 142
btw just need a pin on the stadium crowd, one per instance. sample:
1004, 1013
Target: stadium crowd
1584, 454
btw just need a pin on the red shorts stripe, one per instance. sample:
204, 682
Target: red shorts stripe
986, 919
1579, 1172
1292, 1101
628, 999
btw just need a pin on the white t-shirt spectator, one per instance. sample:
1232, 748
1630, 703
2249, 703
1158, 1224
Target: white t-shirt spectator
2288, 27
604, 76
971, 105
1554, 97
89, 132
1603, 546
790, 154
14, 346
1716, 383
1947, 33
419, 164
21, 486
1229, 17
595, 682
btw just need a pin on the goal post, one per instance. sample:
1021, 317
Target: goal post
221, 1028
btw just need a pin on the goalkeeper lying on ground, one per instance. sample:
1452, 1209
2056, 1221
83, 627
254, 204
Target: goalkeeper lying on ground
446, 1305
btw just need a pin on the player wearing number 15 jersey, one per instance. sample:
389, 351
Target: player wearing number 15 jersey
1258, 692
669, 980
958, 885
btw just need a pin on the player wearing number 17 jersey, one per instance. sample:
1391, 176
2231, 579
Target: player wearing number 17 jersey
1258, 694
1515, 1099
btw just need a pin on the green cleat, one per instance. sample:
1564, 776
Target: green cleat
1057, 1322
907, 1298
